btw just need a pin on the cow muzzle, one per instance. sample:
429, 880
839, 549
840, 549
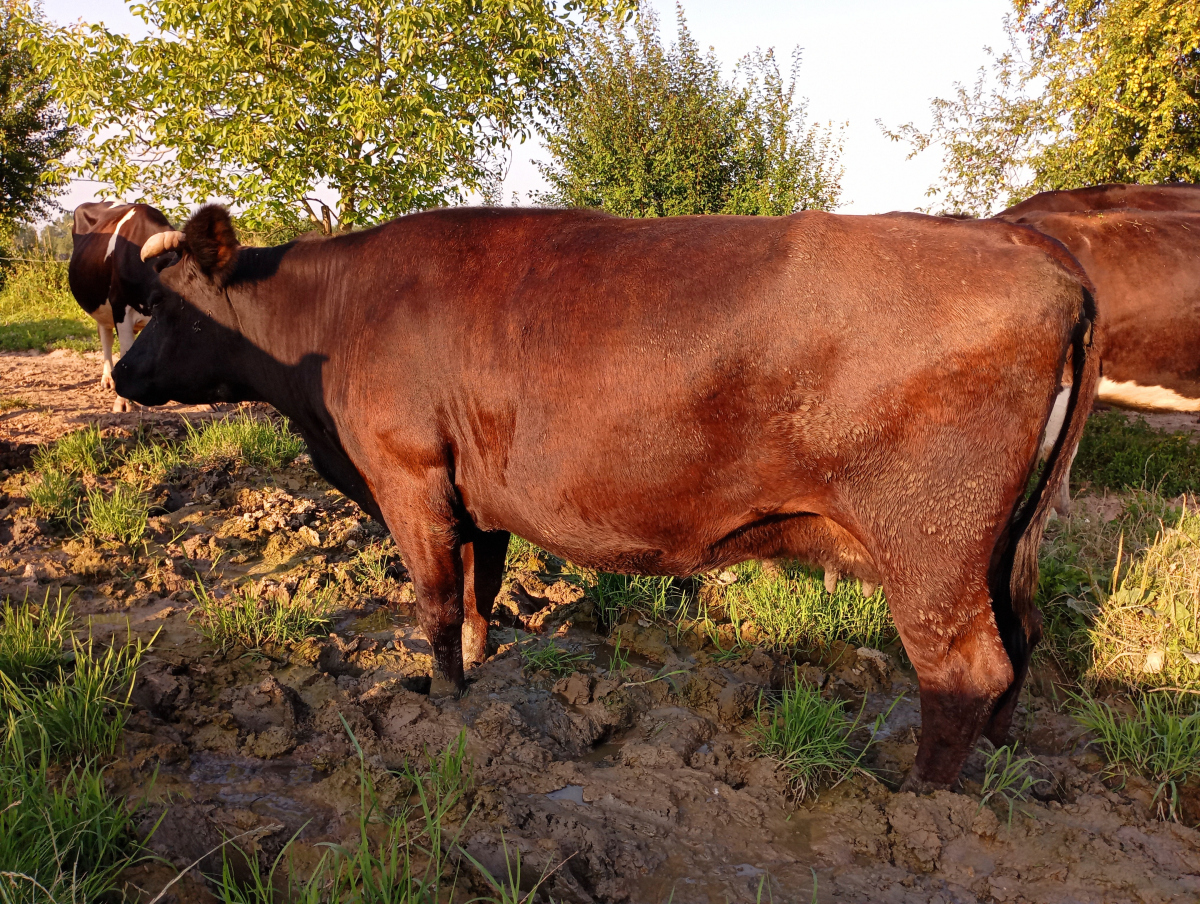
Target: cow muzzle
160, 243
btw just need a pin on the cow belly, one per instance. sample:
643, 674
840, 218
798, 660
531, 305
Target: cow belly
103, 316
1129, 394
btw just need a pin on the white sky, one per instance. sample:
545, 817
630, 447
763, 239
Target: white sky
863, 60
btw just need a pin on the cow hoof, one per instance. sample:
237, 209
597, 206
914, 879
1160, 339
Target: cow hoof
442, 688
107, 384
868, 589
123, 405
919, 786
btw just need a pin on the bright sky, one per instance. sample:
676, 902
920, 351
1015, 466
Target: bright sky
863, 60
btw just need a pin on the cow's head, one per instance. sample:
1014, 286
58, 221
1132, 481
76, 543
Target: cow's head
186, 351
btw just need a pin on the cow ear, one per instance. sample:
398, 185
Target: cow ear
212, 241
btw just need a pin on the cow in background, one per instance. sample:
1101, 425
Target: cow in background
1112, 196
108, 277
1146, 269
1138, 244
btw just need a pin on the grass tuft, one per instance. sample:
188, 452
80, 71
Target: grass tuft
550, 657
1160, 739
55, 496
81, 452
248, 619
63, 835
248, 441
1006, 780
149, 463
791, 609
32, 639
120, 515
809, 735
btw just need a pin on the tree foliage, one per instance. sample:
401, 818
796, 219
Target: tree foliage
33, 133
654, 131
1090, 91
392, 105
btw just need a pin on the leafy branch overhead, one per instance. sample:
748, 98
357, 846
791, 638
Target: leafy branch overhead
32, 128
648, 130
392, 106
1090, 91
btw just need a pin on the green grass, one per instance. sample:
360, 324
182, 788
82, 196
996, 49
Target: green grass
249, 620
370, 568
550, 657
809, 736
396, 854
1120, 452
791, 609
62, 839
32, 639
657, 598
1160, 739
242, 439
14, 404
148, 463
81, 452
63, 835
38, 311
1006, 780
120, 515
80, 712
1121, 599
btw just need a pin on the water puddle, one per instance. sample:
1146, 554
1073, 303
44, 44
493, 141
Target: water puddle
603, 755
259, 787
573, 793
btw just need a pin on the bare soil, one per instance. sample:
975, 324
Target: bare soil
639, 789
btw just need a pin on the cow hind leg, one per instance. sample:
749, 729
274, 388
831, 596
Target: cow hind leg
963, 669
483, 573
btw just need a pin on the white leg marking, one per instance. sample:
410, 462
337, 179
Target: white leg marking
112, 242
1058, 414
1133, 395
106, 347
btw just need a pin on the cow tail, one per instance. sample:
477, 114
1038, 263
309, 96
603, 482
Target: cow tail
1014, 573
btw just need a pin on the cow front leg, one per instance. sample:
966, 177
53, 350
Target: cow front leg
125, 334
106, 350
483, 573
963, 671
422, 522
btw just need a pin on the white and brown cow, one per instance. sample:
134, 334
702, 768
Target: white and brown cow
1140, 245
108, 277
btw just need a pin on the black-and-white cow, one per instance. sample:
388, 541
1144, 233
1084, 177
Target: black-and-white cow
108, 277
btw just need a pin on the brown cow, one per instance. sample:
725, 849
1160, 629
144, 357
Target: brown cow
668, 396
1146, 270
1109, 197
107, 275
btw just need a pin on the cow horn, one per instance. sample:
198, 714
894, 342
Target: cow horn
160, 242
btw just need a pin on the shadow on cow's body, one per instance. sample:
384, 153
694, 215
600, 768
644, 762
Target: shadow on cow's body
669, 396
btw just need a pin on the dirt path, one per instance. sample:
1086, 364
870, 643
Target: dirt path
640, 785
49, 394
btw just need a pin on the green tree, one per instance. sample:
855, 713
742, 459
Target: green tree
1089, 91
393, 105
654, 131
33, 133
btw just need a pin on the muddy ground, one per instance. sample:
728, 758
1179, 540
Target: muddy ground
649, 790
